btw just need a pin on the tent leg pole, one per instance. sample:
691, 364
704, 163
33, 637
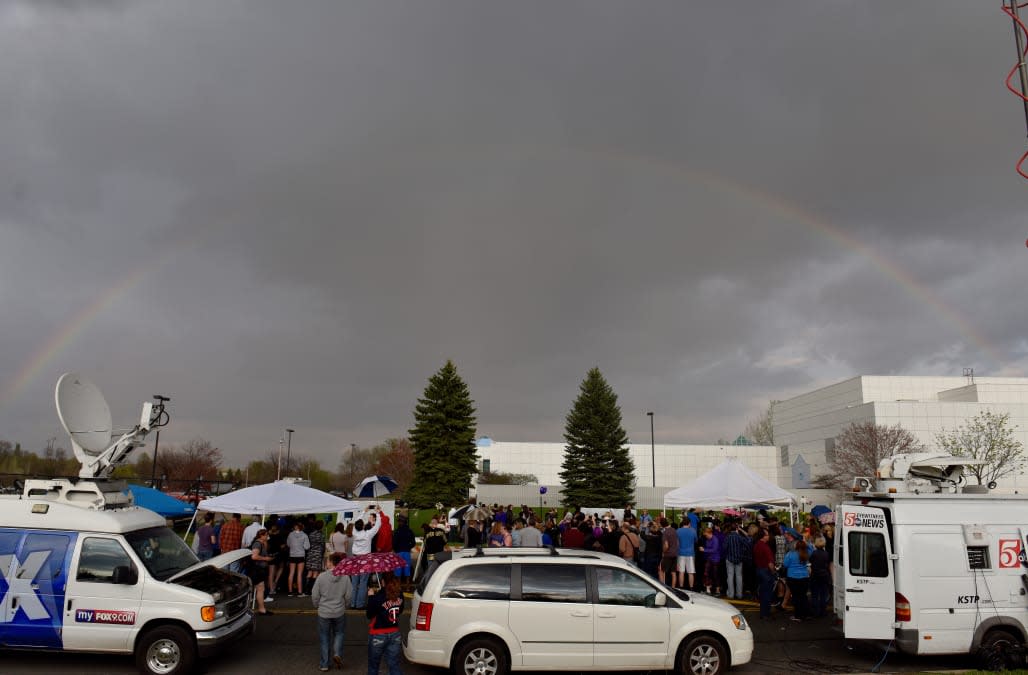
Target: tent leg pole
190, 527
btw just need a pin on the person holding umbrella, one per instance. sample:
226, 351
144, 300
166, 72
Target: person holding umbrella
330, 595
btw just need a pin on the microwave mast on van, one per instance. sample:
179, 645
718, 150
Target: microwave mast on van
920, 473
86, 417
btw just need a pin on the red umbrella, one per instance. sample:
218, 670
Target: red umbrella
369, 563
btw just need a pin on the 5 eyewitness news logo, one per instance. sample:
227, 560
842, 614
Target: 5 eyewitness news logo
105, 616
870, 520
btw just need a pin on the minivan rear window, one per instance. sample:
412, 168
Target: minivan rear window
478, 582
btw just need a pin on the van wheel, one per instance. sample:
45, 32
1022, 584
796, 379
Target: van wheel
1001, 650
165, 650
481, 657
703, 655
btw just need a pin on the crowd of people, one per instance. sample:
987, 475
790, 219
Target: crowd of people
713, 553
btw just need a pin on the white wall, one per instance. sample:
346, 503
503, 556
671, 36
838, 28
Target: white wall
676, 465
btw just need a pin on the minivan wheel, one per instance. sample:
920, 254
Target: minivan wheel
481, 657
703, 655
1001, 650
165, 650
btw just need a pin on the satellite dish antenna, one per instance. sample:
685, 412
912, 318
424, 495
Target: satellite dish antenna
85, 416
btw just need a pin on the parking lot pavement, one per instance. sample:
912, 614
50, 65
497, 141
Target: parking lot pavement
817, 646
286, 642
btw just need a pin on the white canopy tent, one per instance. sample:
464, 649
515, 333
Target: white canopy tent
280, 497
730, 483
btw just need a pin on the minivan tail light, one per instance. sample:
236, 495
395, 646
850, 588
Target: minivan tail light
424, 619
902, 608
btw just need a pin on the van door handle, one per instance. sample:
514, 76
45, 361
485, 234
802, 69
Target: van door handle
606, 615
580, 612
854, 590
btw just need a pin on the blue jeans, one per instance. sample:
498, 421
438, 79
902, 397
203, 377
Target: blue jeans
388, 644
765, 586
404, 571
330, 635
734, 579
360, 590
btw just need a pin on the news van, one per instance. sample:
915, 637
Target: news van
82, 569
933, 566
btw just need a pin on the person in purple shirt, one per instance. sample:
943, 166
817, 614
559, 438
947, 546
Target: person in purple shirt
710, 545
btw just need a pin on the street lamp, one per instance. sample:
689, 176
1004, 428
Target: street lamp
653, 452
281, 442
159, 409
289, 446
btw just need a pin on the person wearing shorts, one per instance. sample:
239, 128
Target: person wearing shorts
260, 556
686, 555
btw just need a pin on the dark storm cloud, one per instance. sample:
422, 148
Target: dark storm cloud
299, 213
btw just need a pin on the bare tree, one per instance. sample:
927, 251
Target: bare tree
986, 437
762, 430
358, 463
397, 461
859, 449
189, 461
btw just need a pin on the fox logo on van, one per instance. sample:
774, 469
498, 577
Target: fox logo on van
870, 520
105, 616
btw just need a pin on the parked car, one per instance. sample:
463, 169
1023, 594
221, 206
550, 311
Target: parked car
489, 611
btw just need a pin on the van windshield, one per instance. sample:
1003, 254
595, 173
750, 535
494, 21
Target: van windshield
163, 552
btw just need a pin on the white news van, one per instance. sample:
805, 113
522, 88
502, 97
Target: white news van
84, 570
932, 566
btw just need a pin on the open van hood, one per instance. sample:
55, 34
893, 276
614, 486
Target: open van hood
223, 560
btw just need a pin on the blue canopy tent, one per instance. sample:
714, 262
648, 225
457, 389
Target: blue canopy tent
160, 503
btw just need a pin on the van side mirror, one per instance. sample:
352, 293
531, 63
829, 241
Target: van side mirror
124, 575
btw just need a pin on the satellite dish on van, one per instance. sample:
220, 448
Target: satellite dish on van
85, 416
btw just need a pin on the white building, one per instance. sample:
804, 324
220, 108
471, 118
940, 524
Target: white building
805, 426
676, 465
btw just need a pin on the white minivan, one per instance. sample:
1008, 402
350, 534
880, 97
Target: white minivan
489, 611
118, 580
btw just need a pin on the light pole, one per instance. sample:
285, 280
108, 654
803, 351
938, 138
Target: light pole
653, 452
289, 446
353, 458
281, 442
161, 400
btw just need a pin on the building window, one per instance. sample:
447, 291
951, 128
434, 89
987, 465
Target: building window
784, 455
485, 466
830, 450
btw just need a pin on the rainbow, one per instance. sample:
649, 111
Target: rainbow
775, 204
66, 334
59, 340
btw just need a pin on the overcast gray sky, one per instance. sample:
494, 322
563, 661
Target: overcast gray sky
291, 214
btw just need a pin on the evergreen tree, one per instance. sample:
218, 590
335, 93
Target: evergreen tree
443, 439
597, 469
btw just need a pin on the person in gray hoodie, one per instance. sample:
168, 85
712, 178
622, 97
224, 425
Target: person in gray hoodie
331, 595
